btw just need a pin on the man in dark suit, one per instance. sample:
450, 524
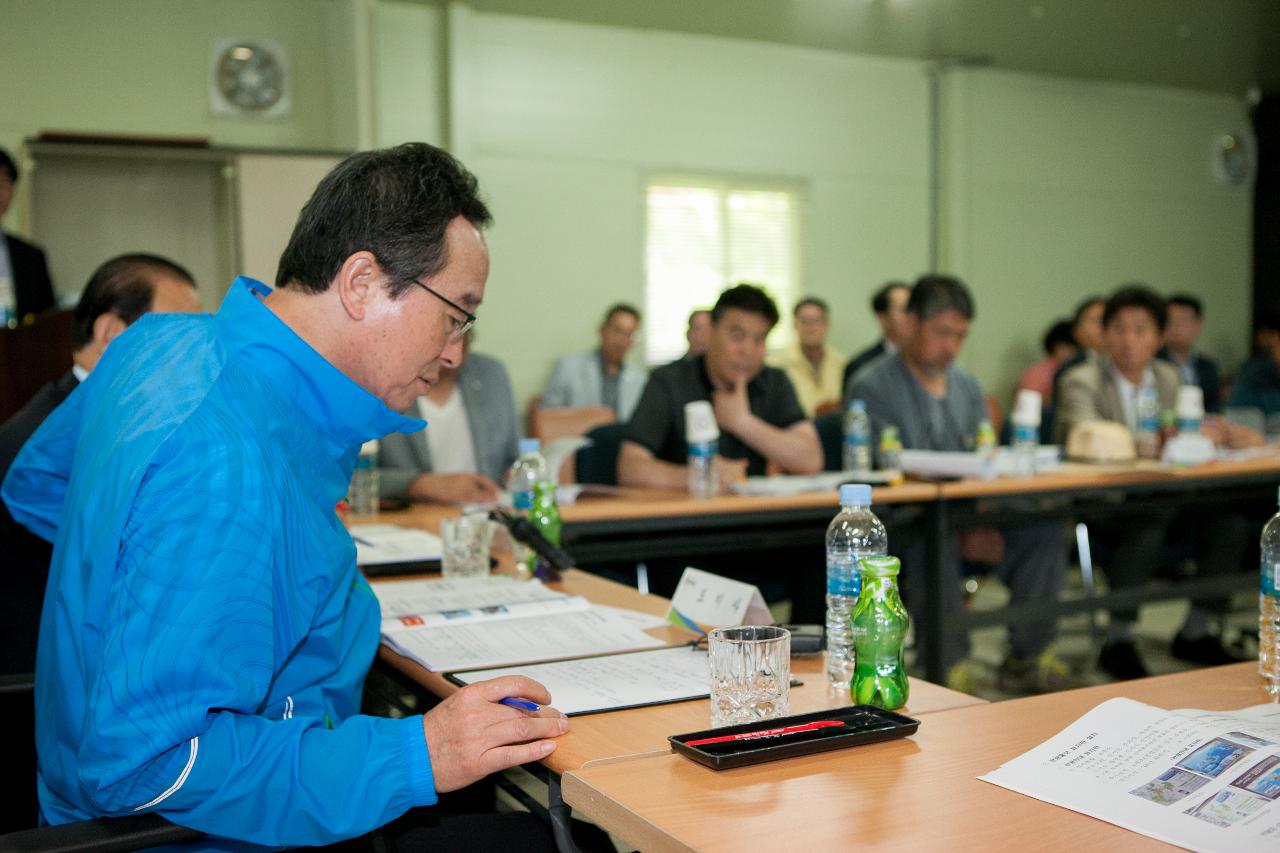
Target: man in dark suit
119, 292
25, 287
1186, 316
890, 306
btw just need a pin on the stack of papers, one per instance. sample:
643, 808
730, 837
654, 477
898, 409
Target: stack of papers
614, 682
390, 544
1203, 780
495, 621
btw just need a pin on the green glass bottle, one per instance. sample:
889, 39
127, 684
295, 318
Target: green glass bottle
879, 628
545, 515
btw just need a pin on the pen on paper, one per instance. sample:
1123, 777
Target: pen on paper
519, 704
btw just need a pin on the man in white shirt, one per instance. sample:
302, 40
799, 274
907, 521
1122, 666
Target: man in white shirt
469, 443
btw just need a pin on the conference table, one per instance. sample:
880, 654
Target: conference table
633, 525
643, 731
917, 793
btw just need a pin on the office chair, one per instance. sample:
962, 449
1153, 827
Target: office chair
598, 462
831, 436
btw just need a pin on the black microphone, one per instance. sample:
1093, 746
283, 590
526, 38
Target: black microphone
527, 533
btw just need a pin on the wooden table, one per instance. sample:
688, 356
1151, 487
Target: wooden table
642, 524
645, 730
919, 793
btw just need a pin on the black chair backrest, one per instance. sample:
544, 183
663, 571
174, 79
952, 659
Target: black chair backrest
831, 435
598, 462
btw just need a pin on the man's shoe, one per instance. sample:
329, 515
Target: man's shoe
1044, 673
1206, 650
1120, 660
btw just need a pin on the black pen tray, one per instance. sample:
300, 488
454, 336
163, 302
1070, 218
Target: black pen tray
863, 724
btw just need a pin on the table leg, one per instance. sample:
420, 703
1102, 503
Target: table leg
931, 634
561, 825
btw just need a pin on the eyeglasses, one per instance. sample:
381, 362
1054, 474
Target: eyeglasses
459, 328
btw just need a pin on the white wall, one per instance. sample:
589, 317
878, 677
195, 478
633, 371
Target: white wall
1054, 188
1062, 188
564, 122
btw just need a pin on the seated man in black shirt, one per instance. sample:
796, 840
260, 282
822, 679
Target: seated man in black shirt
756, 408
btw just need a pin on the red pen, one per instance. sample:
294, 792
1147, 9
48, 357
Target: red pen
785, 730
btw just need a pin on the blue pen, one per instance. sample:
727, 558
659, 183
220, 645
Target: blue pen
519, 704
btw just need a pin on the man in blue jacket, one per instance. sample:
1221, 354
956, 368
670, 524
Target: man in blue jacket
206, 633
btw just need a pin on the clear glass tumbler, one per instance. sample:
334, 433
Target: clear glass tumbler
750, 674
466, 545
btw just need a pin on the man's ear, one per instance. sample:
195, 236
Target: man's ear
358, 283
107, 327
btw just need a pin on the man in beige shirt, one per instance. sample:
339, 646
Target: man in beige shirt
816, 370
1107, 388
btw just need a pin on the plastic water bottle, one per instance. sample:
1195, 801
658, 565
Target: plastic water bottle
704, 480
702, 435
529, 469
363, 493
852, 534
1269, 608
1147, 435
1190, 409
1026, 431
8, 302
857, 437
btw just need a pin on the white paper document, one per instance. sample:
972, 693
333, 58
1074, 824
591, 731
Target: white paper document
517, 640
444, 595
381, 544
611, 682
523, 610
1204, 780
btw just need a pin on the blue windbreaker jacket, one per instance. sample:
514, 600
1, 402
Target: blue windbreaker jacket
205, 633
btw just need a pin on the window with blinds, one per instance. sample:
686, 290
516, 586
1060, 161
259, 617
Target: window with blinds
704, 236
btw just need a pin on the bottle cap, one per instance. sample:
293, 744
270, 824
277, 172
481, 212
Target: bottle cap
857, 405
700, 422
1027, 408
855, 494
529, 445
1190, 402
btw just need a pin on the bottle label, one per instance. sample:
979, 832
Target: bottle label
857, 439
702, 449
1270, 578
843, 577
1149, 425
522, 500
1026, 433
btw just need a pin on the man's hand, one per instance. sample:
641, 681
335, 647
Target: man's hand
731, 405
730, 471
469, 735
1224, 433
462, 488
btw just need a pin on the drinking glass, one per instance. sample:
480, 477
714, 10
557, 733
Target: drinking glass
750, 674
466, 545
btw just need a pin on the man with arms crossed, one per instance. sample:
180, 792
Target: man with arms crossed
206, 633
